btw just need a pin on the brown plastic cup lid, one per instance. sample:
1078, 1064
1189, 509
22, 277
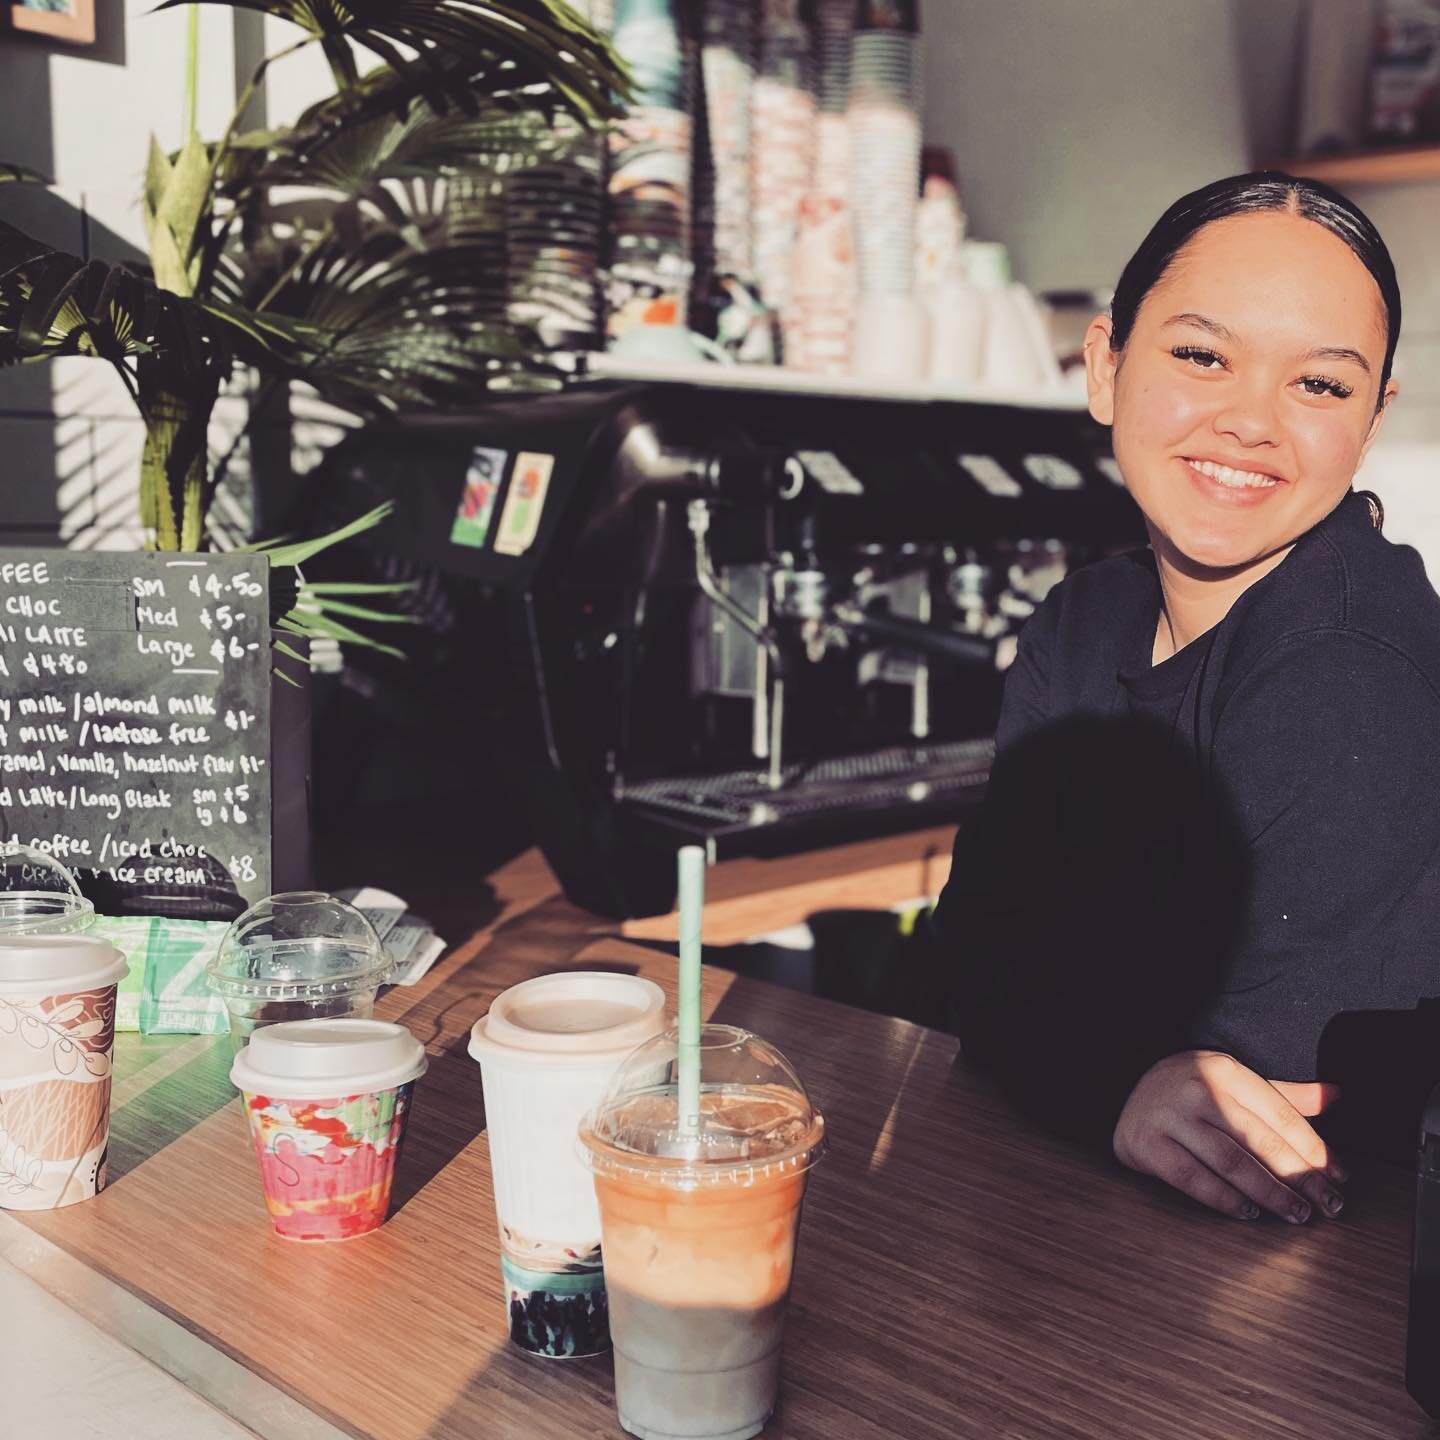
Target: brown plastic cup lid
582, 1014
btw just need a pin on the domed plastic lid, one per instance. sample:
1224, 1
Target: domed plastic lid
322, 1059
300, 945
38, 895
756, 1122
58, 964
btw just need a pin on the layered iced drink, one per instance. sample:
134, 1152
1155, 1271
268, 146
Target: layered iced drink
699, 1227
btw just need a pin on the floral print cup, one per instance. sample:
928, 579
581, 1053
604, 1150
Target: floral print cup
326, 1102
57, 1035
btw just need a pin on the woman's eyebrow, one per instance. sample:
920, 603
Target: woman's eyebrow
1202, 322
1338, 352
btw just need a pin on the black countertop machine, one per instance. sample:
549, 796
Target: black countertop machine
753, 620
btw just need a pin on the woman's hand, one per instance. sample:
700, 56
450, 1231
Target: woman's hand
1230, 1139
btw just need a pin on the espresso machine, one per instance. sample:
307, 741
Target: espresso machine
753, 620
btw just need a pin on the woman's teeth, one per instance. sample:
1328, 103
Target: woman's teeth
1234, 479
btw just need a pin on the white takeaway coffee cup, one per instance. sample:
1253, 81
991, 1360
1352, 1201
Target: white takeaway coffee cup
547, 1049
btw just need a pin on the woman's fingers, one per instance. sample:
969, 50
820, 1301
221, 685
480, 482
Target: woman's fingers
1309, 1097
1206, 1124
1253, 1160
1273, 1106
1172, 1162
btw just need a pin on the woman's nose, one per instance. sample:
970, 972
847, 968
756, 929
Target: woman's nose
1249, 416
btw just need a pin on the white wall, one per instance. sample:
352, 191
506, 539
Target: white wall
84, 117
1076, 122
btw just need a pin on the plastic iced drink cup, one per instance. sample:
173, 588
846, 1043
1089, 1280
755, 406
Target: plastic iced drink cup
699, 1225
38, 895
326, 1102
303, 955
547, 1049
57, 1032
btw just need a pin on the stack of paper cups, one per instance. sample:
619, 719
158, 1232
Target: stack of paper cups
728, 59
547, 1050
784, 116
820, 324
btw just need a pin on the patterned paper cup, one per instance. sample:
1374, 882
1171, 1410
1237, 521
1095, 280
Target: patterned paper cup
57, 1031
327, 1102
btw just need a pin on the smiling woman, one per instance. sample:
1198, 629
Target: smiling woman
1212, 828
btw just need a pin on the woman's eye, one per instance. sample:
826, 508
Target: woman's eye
1198, 356
1323, 385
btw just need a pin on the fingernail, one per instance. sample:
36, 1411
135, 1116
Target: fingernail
1338, 1173
1299, 1213
1249, 1211
1333, 1203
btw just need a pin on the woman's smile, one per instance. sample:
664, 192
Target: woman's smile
1231, 485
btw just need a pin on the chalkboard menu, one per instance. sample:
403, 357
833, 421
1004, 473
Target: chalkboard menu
136, 724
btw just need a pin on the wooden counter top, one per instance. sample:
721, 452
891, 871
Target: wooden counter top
959, 1275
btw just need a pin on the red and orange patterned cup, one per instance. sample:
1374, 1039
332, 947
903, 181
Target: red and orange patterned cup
326, 1102
57, 1034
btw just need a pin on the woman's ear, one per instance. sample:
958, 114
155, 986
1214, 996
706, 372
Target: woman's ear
1387, 398
1101, 363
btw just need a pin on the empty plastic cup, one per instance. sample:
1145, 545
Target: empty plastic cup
327, 1102
303, 955
38, 895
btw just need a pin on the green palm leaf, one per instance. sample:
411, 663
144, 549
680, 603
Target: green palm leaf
393, 326
426, 45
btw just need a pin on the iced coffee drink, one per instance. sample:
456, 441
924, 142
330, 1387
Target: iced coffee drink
698, 1226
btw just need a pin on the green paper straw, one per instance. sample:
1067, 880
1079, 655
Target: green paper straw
692, 905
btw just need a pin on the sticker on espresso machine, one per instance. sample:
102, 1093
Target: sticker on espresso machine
477, 502
520, 519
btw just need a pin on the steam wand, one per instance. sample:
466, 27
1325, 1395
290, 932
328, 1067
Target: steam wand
697, 516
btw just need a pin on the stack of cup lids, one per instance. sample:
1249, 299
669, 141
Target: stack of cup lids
885, 132
650, 188
553, 228
475, 208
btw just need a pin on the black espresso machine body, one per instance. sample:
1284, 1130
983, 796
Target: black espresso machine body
753, 620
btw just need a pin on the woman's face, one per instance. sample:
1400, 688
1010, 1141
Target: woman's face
1245, 398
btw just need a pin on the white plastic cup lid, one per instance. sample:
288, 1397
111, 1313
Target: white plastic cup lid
579, 1013
318, 1059
58, 964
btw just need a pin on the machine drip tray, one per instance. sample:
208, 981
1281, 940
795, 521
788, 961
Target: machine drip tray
737, 810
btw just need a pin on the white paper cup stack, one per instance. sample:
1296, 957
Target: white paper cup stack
885, 135
728, 59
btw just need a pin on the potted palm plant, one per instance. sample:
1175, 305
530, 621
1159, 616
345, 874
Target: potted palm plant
364, 288
321, 253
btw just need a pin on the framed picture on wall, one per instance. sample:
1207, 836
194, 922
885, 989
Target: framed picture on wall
72, 21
